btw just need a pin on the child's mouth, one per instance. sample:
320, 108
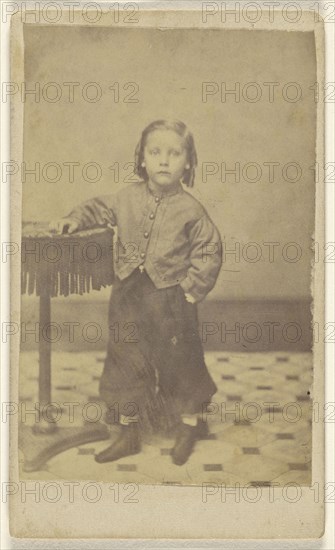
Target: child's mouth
165, 173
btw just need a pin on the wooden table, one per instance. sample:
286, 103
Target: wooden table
59, 265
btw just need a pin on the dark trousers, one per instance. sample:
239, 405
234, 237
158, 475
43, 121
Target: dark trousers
155, 363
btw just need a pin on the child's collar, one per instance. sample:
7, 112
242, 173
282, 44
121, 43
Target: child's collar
173, 190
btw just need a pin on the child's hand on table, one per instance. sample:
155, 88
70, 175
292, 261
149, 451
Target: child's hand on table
63, 225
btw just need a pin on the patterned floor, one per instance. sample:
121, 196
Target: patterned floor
260, 424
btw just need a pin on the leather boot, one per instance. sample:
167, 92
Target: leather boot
202, 429
127, 443
184, 444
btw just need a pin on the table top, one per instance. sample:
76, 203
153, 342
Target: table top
40, 230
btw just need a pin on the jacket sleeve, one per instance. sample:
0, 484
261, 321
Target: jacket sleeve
97, 211
205, 258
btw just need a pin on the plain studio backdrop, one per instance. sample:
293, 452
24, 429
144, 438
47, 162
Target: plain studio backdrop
265, 131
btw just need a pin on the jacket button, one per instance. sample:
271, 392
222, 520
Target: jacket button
146, 234
156, 199
152, 216
142, 255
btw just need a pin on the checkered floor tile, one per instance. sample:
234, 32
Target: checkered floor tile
259, 423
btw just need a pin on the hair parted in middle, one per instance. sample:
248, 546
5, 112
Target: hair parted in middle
181, 129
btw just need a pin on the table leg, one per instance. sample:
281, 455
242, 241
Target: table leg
46, 439
45, 352
46, 423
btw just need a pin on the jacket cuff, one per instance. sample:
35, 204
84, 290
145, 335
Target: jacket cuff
187, 285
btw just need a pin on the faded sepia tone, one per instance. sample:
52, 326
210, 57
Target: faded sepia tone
256, 180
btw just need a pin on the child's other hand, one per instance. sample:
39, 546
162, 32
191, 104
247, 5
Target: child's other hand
63, 225
189, 298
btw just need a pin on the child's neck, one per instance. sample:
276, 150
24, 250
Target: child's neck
161, 189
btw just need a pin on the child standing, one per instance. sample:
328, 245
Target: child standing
168, 259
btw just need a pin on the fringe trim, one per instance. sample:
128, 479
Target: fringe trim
59, 265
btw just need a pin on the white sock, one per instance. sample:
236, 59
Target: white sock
126, 420
190, 419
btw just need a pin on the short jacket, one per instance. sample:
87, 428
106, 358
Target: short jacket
169, 233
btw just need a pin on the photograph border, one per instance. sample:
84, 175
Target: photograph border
167, 503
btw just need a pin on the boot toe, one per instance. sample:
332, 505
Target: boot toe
115, 452
128, 443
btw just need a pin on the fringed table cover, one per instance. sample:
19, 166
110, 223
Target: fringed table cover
59, 265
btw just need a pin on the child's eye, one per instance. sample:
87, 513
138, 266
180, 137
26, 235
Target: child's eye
154, 151
175, 153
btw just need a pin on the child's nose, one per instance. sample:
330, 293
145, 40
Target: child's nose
164, 160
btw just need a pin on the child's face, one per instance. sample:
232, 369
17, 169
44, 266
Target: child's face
165, 157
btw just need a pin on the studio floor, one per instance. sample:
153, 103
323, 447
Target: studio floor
259, 423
